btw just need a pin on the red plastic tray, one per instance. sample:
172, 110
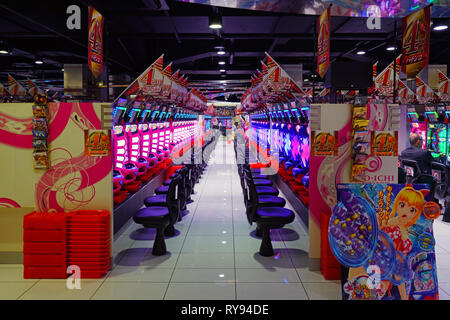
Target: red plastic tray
34, 235
44, 260
44, 220
44, 272
44, 247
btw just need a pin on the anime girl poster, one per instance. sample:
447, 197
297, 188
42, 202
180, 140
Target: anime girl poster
382, 234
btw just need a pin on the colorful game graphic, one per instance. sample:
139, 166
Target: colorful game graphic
437, 141
382, 234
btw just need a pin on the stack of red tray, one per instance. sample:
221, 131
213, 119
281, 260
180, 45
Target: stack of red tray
44, 245
88, 242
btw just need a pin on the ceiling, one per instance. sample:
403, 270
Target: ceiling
139, 31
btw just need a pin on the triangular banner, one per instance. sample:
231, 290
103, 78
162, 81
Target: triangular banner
15, 88
33, 89
443, 91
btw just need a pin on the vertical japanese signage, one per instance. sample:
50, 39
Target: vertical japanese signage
323, 43
415, 42
95, 42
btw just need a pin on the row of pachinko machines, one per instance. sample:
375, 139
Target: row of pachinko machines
285, 129
142, 144
433, 124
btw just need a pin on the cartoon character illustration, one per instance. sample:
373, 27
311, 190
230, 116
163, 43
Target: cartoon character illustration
408, 205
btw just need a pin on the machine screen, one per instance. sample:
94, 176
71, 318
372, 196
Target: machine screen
437, 140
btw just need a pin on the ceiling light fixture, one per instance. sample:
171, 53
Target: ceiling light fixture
221, 62
440, 27
390, 48
361, 52
221, 52
215, 22
306, 80
222, 70
4, 49
38, 61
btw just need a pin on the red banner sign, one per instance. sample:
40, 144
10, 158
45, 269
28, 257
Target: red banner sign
95, 42
415, 42
323, 43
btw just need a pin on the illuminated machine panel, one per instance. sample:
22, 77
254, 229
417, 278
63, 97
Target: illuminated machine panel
145, 139
154, 138
133, 142
437, 139
120, 147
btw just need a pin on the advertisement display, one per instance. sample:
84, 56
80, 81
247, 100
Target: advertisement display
323, 43
415, 42
382, 234
95, 42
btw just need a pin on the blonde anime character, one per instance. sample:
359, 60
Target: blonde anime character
407, 208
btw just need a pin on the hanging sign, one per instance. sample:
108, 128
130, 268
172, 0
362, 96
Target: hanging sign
95, 42
415, 42
323, 43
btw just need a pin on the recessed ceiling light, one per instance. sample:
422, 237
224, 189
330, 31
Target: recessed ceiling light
3, 51
390, 48
39, 62
361, 52
221, 52
306, 80
62, 69
440, 27
222, 70
221, 62
223, 81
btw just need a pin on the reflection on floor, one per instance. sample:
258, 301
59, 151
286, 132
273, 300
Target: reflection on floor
213, 256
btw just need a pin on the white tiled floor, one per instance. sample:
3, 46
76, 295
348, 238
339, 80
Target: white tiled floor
213, 256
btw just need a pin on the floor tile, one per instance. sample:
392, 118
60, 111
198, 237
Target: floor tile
206, 260
139, 274
135, 257
12, 290
14, 274
203, 275
200, 291
270, 291
307, 275
57, 290
255, 260
130, 291
323, 291
267, 275
208, 244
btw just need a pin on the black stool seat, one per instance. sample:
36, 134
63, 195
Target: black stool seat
172, 175
264, 190
162, 190
262, 182
271, 201
156, 214
167, 182
275, 214
155, 217
159, 200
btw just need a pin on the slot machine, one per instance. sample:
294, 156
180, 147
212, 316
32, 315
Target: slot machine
134, 149
417, 126
155, 134
437, 135
447, 122
145, 144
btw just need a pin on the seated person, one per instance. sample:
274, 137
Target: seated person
415, 152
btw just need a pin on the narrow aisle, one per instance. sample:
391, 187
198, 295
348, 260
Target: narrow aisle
214, 254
